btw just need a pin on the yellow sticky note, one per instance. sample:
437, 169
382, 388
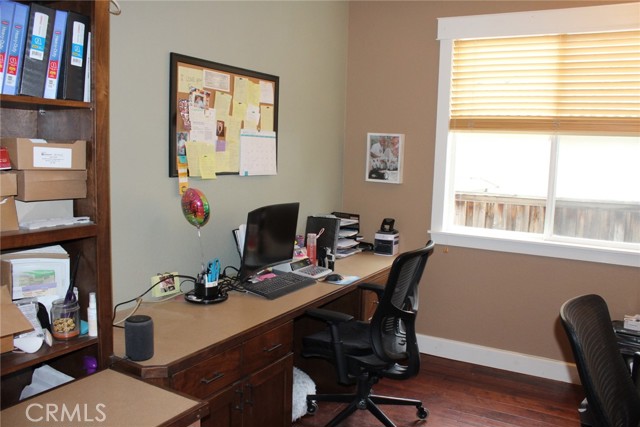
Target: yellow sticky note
208, 166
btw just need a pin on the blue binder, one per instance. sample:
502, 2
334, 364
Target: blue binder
16, 49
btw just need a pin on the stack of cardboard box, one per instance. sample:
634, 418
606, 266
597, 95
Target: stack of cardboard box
44, 170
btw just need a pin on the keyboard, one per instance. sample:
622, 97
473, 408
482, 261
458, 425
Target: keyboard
279, 285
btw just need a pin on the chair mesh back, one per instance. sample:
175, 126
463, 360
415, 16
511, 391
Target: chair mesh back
403, 298
611, 394
393, 323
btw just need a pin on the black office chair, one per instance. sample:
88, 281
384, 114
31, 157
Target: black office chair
612, 399
386, 347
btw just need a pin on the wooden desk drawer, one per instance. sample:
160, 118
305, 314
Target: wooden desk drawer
210, 375
267, 348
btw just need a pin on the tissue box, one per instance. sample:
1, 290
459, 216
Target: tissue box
36, 273
632, 322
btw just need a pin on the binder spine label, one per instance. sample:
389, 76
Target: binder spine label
6, 21
39, 37
4, 42
77, 45
11, 79
55, 55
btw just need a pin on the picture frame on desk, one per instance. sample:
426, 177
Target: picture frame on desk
385, 153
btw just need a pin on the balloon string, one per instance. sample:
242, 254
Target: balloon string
201, 249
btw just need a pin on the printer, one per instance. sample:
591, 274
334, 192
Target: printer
386, 239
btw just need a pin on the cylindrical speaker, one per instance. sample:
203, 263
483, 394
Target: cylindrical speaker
138, 337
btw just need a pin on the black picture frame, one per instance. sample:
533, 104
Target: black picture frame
217, 79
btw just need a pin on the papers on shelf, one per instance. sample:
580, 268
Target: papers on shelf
347, 232
346, 243
346, 221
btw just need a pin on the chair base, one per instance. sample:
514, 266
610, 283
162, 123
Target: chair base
586, 419
363, 399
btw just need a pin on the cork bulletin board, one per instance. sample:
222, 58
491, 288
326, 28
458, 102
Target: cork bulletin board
222, 120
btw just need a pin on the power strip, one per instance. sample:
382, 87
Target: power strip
169, 284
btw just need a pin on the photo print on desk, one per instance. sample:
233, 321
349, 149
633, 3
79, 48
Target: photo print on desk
384, 157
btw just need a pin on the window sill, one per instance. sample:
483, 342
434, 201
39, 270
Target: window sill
523, 243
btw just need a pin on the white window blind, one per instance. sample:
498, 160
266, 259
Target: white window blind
566, 83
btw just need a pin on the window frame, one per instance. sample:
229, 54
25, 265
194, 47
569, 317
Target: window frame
583, 19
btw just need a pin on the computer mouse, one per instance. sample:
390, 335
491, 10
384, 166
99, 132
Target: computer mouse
334, 277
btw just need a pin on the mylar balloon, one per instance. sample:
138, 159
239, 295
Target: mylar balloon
195, 207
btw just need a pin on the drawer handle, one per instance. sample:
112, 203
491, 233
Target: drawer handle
273, 348
216, 376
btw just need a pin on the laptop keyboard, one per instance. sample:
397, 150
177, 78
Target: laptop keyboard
279, 285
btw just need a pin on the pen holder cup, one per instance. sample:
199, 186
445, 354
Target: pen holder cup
207, 291
65, 319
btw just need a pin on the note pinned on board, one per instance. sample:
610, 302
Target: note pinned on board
208, 166
258, 153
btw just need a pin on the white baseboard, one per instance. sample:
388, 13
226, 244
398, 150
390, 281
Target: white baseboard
499, 359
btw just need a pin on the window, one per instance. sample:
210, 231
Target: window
537, 140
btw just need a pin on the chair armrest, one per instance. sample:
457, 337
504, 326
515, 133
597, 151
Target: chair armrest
374, 287
328, 316
334, 319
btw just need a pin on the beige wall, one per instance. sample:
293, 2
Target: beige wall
500, 300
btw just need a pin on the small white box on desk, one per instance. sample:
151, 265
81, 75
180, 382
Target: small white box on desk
386, 243
632, 322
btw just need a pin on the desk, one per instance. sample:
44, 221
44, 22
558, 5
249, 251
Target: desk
238, 355
105, 399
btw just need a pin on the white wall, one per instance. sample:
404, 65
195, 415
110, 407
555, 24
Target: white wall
304, 43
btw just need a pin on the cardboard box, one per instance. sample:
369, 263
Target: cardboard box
51, 185
42, 272
8, 214
27, 154
12, 321
8, 183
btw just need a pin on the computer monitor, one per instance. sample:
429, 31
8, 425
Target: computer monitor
269, 238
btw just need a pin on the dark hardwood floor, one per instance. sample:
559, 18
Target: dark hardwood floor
461, 394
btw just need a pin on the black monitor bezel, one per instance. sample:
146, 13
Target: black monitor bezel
247, 272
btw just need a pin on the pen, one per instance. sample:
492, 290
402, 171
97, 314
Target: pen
213, 271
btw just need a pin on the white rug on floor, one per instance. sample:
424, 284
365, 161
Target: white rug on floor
302, 386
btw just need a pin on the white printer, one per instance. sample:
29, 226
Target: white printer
386, 239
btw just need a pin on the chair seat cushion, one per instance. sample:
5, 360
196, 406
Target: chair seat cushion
354, 336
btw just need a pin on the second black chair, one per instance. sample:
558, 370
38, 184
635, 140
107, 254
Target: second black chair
386, 347
613, 400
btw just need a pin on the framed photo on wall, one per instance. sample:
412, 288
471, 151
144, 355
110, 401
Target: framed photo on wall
384, 157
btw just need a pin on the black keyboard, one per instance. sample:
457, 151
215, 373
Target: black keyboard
279, 285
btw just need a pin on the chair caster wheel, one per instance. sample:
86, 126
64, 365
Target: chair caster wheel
423, 413
312, 407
